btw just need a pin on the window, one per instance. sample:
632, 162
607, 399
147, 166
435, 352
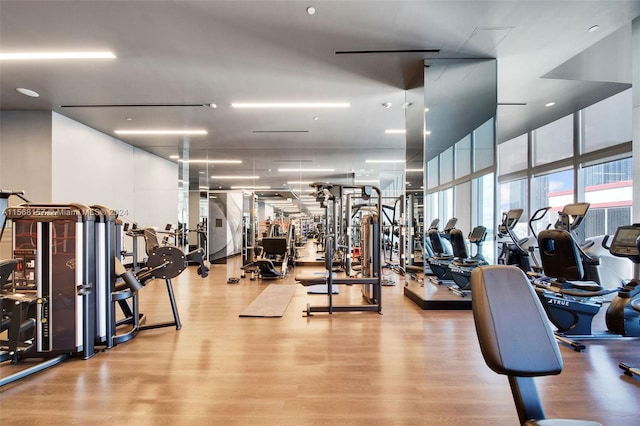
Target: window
431, 208
554, 141
483, 143
553, 190
463, 157
512, 155
513, 195
608, 122
446, 205
432, 173
446, 166
463, 201
483, 204
608, 188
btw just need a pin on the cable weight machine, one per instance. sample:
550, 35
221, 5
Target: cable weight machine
332, 198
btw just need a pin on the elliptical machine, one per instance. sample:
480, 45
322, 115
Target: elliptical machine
520, 252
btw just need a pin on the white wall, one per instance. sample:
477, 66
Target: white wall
91, 167
25, 153
25, 161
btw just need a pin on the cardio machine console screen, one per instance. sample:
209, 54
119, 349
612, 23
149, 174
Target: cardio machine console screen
624, 241
478, 234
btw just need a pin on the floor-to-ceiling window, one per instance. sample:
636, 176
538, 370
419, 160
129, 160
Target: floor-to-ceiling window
585, 157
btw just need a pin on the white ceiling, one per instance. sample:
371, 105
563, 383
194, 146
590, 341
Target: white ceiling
200, 52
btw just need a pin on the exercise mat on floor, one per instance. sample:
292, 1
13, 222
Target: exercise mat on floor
271, 303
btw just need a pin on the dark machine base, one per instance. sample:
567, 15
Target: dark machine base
437, 298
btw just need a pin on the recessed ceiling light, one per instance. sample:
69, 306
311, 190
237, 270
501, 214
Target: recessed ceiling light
234, 177
427, 132
406, 105
550, 104
426, 110
204, 187
306, 170
18, 56
387, 104
160, 132
212, 161
311, 10
385, 161
28, 92
594, 28
300, 182
395, 131
315, 118
414, 170
249, 187
129, 118
214, 106
174, 157
290, 104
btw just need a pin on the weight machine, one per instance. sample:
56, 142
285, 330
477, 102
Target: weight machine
331, 198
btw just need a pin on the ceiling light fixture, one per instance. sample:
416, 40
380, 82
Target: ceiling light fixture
414, 170
406, 105
19, 56
160, 132
212, 161
594, 28
311, 10
28, 92
306, 170
234, 177
174, 157
385, 161
395, 131
290, 104
300, 182
387, 104
250, 187
550, 104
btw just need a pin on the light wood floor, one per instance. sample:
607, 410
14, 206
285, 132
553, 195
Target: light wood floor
405, 367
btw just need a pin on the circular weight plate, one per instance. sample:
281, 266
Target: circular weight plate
172, 256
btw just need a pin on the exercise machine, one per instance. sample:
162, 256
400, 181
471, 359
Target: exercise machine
499, 323
275, 251
462, 265
571, 306
164, 262
443, 252
49, 307
521, 252
330, 197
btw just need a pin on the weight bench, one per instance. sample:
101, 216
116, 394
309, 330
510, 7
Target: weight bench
504, 304
317, 283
